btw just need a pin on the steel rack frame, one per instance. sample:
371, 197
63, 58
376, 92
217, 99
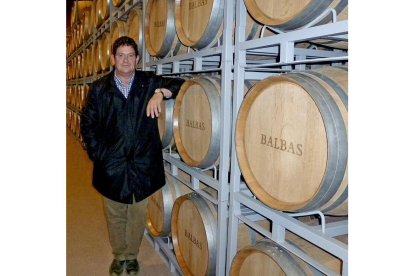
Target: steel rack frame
216, 59
240, 196
163, 246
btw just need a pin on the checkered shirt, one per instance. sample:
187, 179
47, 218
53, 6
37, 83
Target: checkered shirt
124, 88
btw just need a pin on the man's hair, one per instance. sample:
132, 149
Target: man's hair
124, 41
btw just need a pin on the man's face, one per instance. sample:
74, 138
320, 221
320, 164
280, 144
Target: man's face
125, 59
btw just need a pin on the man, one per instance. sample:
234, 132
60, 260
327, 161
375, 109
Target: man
119, 128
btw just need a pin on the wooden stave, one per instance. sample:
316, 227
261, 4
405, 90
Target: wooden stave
251, 182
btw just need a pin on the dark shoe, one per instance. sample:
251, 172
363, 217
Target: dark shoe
132, 267
116, 268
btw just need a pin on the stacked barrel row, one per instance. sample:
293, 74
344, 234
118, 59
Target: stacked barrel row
76, 95
291, 132
192, 124
170, 25
73, 123
96, 56
86, 16
291, 144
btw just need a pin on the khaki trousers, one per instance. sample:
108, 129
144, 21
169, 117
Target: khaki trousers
126, 225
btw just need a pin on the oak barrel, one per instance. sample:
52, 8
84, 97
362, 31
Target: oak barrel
165, 123
86, 91
78, 35
209, 17
76, 11
81, 30
68, 117
105, 51
78, 133
289, 15
97, 16
194, 233
160, 33
82, 96
160, 205
68, 93
117, 3
73, 122
79, 93
291, 140
68, 71
105, 9
97, 55
197, 121
73, 63
86, 62
118, 29
89, 60
87, 22
134, 27
267, 258
79, 66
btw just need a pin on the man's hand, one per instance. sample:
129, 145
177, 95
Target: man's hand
154, 105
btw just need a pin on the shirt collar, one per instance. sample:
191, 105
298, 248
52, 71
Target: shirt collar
120, 81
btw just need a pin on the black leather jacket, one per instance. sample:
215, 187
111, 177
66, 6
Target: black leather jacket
121, 140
